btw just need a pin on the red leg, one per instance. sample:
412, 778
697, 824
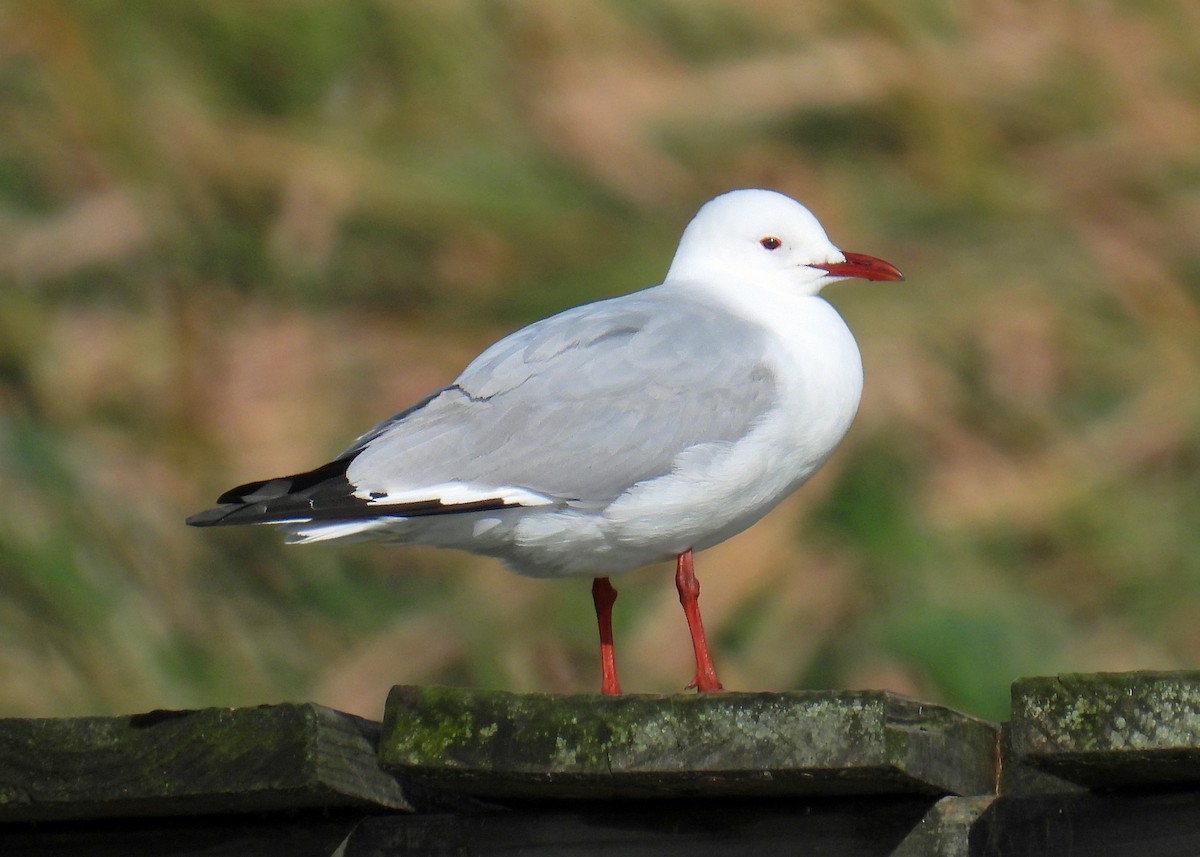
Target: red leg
603, 596
689, 594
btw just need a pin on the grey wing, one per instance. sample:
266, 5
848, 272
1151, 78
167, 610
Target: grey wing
576, 408
571, 410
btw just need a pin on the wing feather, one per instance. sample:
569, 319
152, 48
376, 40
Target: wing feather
573, 410
583, 405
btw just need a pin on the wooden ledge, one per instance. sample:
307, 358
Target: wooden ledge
1110, 730
206, 762
508, 745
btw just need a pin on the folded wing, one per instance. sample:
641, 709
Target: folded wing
570, 411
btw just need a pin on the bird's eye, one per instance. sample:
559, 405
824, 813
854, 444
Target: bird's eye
771, 242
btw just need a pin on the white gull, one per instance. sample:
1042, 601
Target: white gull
619, 433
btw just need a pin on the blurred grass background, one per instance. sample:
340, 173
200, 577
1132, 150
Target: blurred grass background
233, 235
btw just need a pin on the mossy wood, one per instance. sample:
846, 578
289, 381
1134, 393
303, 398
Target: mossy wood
1110, 730
209, 761
496, 744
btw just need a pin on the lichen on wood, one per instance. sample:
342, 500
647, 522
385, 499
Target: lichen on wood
504, 744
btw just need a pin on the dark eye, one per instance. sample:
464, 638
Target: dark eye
771, 242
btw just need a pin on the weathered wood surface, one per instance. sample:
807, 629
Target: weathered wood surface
210, 761
505, 745
944, 831
1019, 777
310, 834
1110, 730
1089, 824
897, 826
843, 774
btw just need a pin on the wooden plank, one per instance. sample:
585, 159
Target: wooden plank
945, 829
507, 745
1110, 730
1162, 824
313, 834
901, 826
278, 757
839, 827
1017, 776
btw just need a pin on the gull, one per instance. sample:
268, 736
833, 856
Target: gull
616, 434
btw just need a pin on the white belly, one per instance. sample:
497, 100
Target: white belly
715, 490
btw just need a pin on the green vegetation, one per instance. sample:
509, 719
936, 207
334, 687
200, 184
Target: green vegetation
232, 237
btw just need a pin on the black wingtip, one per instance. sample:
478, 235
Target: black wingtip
212, 517
229, 514
283, 486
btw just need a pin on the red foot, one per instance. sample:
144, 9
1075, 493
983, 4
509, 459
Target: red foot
706, 680
604, 596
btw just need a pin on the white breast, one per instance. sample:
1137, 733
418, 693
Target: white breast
717, 490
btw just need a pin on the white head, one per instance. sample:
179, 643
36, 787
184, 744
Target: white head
769, 239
